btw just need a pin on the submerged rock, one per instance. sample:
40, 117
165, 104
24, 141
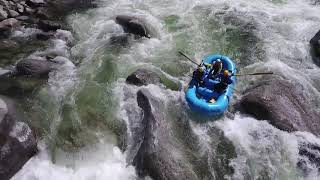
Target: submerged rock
34, 67
283, 104
143, 77
17, 141
133, 25
47, 25
315, 48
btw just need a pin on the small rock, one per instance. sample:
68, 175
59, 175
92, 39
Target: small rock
8, 24
42, 13
315, 48
143, 77
23, 18
4, 3
29, 10
47, 25
20, 8
133, 25
44, 36
35, 3
13, 13
33, 67
3, 14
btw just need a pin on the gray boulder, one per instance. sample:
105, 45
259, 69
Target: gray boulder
164, 146
8, 24
143, 77
13, 13
34, 68
315, 48
35, 3
17, 140
133, 25
283, 104
3, 14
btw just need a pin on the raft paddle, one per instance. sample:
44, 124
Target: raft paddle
254, 74
181, 53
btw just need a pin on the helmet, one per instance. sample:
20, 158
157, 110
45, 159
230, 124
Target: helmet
226, 73
201, 68
218, 61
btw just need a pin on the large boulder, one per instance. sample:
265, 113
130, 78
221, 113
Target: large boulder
17, 140
164, 145
8, 24
143, 77
133, 25
283, 104
34, 67
315, 48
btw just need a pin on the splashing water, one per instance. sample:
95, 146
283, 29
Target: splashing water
82, 108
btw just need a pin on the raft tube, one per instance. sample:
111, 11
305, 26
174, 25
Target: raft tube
198, 97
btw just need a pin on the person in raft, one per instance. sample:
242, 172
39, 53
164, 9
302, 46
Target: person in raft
225, 80
216, 68
201, 73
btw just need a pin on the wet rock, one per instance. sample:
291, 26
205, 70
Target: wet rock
157, 155
35, 3
23, 18
13, 13
34, 67
47, 25
143, 77
8, 24
315, 48
17, 141
283, 104
4, 4
44, 36
42, 13
165, 146
121, 40
3, 14
20, 8
133, 25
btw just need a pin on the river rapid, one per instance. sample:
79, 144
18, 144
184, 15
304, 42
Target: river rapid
82, 112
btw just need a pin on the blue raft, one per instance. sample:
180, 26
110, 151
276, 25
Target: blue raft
198, 97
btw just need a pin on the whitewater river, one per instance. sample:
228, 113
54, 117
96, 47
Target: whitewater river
83, 110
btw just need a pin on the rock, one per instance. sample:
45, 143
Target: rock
44, 36
283, 104
4, 3
23, 18
315, 48
155, 156
121, 40
143, 77
3, 14
8, 24
13, 13
17, 140
133, 25
20, 8
47, 25
164, 145
29, 10
42, 13
33, 67
35, 3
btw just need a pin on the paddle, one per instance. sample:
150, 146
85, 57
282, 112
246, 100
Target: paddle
181, 53
254, 74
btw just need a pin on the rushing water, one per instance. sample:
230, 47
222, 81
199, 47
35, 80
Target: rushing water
80, 112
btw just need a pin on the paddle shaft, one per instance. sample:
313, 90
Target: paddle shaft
254, 74
188, 58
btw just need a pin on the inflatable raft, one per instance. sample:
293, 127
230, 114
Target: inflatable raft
199, 97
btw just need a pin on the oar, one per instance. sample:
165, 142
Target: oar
254, 74
188, 58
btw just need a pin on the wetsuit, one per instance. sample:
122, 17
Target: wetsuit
223, 84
